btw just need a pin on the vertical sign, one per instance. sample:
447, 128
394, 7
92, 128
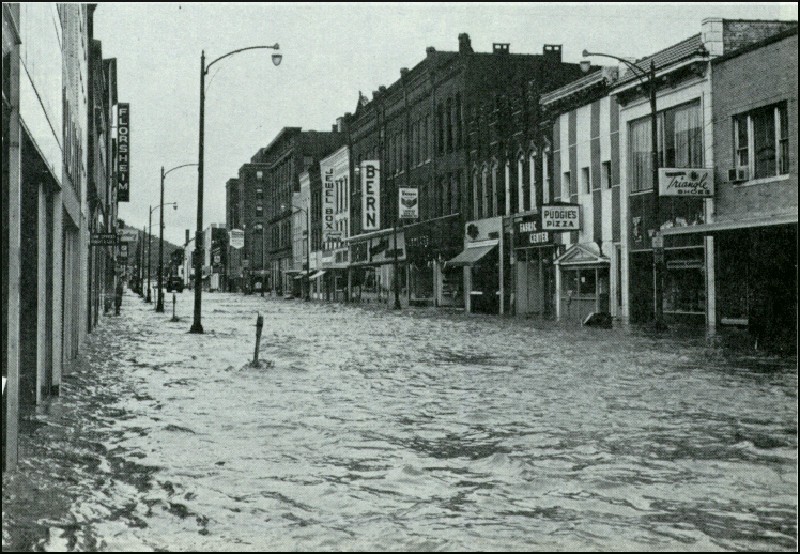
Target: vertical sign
370, 195
329, 232
409, 203
123, 152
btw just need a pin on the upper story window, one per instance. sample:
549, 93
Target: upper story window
259, 175
680, 143
761, 142
259, 192
586, 180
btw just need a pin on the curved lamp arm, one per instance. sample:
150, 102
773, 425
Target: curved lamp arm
178, 167
637, 71
154, 208
231, 53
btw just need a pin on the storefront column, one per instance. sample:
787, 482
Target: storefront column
468, 288
558, 292
57, 276
349, 284
500, 271
711, 290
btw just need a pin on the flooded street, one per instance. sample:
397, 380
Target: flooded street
418, 430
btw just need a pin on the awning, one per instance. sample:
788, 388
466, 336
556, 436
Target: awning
303, 273
733, 225
471, 255
317, 274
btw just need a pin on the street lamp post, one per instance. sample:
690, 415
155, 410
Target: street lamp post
160, 295
648, 80
149, 299
197, 327
149, 248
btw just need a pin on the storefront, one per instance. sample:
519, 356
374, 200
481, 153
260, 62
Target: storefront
429, 244
534, 253
484, 278
583, 282
373, 258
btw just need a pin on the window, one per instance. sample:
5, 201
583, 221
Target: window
459, 129
762, 141
440, 125
259, 192
605, 175
449, 125
586, 181
259, 175
567, 184
259, 210
680, 143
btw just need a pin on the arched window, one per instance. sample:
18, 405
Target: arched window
520, 183
532, 192
493, 208
476, 197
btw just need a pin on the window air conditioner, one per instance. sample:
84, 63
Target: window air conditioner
738, 174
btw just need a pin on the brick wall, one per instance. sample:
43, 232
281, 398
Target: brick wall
757, 78
743, 32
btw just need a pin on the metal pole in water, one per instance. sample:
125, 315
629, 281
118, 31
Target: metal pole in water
173, 308
259, 327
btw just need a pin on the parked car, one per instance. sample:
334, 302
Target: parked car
175, 283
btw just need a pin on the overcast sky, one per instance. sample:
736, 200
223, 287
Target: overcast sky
330, 52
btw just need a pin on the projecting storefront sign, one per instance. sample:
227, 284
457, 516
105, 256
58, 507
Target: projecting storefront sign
528, 232
104, 239
370, 195
236, 239
329, 232
695, 182
561, 217
123, 250
409, 203
123, 153
128, 235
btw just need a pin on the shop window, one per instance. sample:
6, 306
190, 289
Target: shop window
567, 183
587, 282
685, 287
762, 141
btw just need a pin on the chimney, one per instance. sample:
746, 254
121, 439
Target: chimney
501, 48
552, 53
403, 72
339, 124
374, 94
464, 44
712, 35
382, 89
430, 51
334, 128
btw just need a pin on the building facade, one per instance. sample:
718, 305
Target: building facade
754, 224
289, 154
57, 112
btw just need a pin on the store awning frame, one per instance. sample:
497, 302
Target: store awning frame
472, 254
317, 274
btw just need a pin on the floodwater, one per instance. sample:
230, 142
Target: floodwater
369, 429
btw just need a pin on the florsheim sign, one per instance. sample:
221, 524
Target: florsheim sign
695, 182
409, 203
123, 153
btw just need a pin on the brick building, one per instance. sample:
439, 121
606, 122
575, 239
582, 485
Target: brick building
289, 154
755, 220
454, 117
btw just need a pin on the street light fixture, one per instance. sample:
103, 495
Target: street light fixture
160, 295
308, 250
149, 299
648, 80
197, 327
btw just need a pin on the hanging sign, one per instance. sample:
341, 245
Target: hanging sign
370, 195
329, 232
123, 153
695, 182
104, 239
236, 238
561, 217
528, 232
408, 203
